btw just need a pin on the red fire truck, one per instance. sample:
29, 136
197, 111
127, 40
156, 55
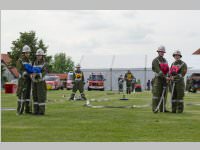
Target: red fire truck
96, 81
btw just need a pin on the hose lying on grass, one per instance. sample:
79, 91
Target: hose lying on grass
88, 104
7, 109
193, 104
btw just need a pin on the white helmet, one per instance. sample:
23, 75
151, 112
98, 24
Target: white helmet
78, 66
177, 52
40, 52
161, 49
26, 48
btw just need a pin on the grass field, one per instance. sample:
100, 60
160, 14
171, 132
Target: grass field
68, 121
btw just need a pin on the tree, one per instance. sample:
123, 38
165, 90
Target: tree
69, 64
62, 63
30, 39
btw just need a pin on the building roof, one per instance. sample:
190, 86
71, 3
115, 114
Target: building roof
197, 52
6, 60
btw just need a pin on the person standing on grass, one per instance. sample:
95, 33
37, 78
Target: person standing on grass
133, 82
78, 83
39, 84
160, 68
148, 85
120, 83
177, 72
23, 66
128, 78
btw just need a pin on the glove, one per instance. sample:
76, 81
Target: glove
177, 77
38, 76
168, 79
24, 74
160, 73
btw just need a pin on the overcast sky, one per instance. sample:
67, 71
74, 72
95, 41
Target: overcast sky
107, 32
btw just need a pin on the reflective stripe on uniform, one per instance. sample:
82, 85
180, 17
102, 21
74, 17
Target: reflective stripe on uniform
35, 103
38, 80
25, 63
42, 104
180, 101
174, 100
78, 79
180, 75
41, 66
28, 100
155, 97
40, 75
20, 100
156, 74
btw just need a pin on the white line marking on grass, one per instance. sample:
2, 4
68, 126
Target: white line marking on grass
8, 109
193, 104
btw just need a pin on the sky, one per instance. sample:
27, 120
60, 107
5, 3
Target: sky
105, 32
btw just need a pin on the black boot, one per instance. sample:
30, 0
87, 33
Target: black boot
72, 96
41, 110
174, 107
27, 108
180, 107
83, 96
166, 111
35, 109
20, 107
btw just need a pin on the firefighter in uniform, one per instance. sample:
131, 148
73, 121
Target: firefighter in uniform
161, 69
177, 72
133, 82
128, 78
23, 66
120, 83
39, 85
188, 83
78, 83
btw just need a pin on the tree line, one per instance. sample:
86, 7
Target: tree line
60, 64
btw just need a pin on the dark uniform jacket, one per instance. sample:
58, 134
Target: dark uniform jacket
78, 76
156, 65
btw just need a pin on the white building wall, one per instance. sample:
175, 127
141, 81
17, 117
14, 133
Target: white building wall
111, 76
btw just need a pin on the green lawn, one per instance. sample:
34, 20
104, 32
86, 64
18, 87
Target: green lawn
67, 121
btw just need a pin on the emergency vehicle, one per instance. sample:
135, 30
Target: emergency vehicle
96, 81
69, 81
53, 82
